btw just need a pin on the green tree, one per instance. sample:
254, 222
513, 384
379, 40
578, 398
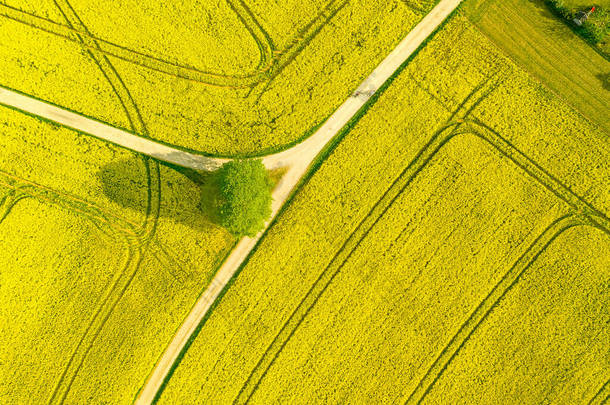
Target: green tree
245, 189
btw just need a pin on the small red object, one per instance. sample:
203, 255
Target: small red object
593, 9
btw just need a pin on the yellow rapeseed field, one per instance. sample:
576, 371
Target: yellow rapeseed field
231, 78
103, 254
556, 318
401, 265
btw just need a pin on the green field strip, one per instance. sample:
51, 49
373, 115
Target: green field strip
534, 39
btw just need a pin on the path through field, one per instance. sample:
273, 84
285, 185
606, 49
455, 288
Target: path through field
297, 159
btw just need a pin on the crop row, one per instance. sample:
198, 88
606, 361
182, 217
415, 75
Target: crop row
347, 301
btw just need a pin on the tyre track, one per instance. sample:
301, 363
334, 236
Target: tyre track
352, 242
583, 214
300, 42
506, 283
602, 395
581, 207
94, 326
136, 244
8, 202
388, 197
68, 202
544, 177
270, 57
135, 57
329, 273
419, 6
259, 34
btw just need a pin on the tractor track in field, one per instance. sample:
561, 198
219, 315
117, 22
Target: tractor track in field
298, 159
345, 251
10, 199
585, 215
505, 148
270, 59
491, 301
96, 323
301, 41
137, 244
71, 203
602, 396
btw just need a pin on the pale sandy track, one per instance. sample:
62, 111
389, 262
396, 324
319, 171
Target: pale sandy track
107, 132
296, 159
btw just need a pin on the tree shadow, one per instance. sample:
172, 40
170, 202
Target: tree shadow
550, 22
604, 78
188, 196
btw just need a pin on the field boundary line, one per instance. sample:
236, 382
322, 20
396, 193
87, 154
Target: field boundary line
298, 159
536, 79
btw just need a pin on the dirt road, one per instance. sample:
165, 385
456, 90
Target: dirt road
297, 159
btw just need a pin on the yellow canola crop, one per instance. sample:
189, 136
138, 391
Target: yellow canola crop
229, 78
102, 255
415, 226
555, 318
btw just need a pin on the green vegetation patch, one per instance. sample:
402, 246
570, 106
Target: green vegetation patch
529, 33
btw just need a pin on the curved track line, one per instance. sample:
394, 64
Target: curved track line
94, 326
546, 179
136, 244
492, 299
67, 202
351, 243
436, 143
270, 59
360, 232
9, 201
148, 61
336, 264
